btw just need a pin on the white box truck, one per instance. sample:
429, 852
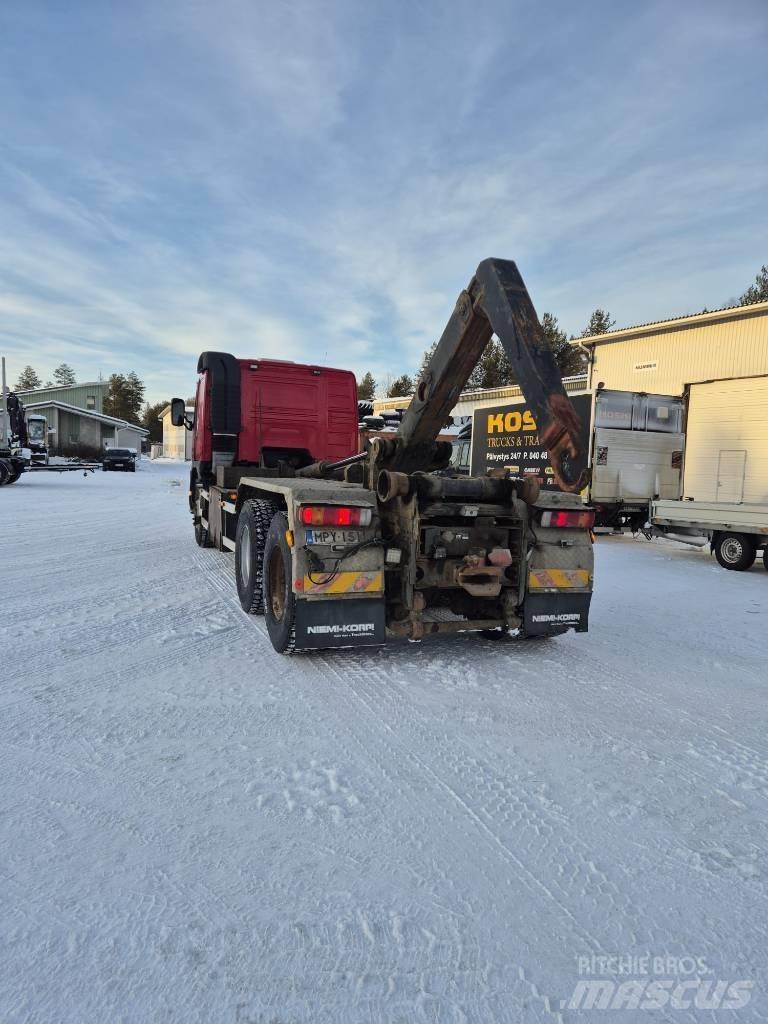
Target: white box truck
637, 454
725, 472
634, 440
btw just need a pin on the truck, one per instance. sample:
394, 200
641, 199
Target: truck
12, 433
37, 439
634, 441
724, 496
24, 440
636, 451
338, 547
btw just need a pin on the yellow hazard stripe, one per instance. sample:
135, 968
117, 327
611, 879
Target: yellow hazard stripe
342, 583
557, 579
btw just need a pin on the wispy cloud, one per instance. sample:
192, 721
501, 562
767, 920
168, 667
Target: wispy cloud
318, 181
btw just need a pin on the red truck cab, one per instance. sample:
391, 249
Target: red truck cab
269, 412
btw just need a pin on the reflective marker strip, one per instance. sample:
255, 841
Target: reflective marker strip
557, 579
343, 583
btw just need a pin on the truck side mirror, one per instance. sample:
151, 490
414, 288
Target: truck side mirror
178, 411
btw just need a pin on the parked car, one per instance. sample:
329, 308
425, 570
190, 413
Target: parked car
119, 458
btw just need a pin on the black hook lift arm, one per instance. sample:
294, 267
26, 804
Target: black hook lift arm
495, 301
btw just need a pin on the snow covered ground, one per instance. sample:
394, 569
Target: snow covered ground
194, 828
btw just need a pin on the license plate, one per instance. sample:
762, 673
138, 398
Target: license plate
333, 537
118, 465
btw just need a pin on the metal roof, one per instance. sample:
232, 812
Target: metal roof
102, 417
64, 387
751, 309
574, 383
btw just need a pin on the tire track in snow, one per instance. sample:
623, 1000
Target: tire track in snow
472, 773
393, 958
374, 691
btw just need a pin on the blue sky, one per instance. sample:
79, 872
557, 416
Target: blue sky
317, 181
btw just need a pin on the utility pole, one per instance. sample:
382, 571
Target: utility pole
5, 431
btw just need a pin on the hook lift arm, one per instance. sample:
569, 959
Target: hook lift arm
495, 301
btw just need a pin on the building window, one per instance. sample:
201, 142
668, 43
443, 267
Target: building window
90, 401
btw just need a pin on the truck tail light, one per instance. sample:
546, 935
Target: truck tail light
570, 520
335, 515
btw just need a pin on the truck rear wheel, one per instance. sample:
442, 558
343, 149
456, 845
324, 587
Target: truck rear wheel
251, 536
201, 535
280, 601
765, 556
735, 551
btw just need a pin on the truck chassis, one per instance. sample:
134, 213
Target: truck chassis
376, 545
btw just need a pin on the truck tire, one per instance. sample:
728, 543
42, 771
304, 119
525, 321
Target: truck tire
201, 535
250, 538
280, 601
735, 551
201, 532
765, 556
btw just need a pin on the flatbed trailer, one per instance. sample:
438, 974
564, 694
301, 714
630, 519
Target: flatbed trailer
736, 532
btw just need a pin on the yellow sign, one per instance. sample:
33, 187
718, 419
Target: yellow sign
342, 583
511, 422
557, 579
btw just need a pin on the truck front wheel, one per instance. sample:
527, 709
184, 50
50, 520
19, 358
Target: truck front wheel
280, 601
250, 539
735, 551
201, 532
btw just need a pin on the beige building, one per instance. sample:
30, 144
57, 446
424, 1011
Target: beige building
662, 358
658, 358
177, 441
726, 451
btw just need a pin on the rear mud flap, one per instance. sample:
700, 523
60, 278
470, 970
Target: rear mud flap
346, 623
553, 612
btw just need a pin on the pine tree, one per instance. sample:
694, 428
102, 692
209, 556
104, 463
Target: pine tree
366, 389
150, 419
757, 292
134, 397
124, 397
401, 387
493, 369
28, 380
599, 323
425, 360
570, 360
114, 400
64, 375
